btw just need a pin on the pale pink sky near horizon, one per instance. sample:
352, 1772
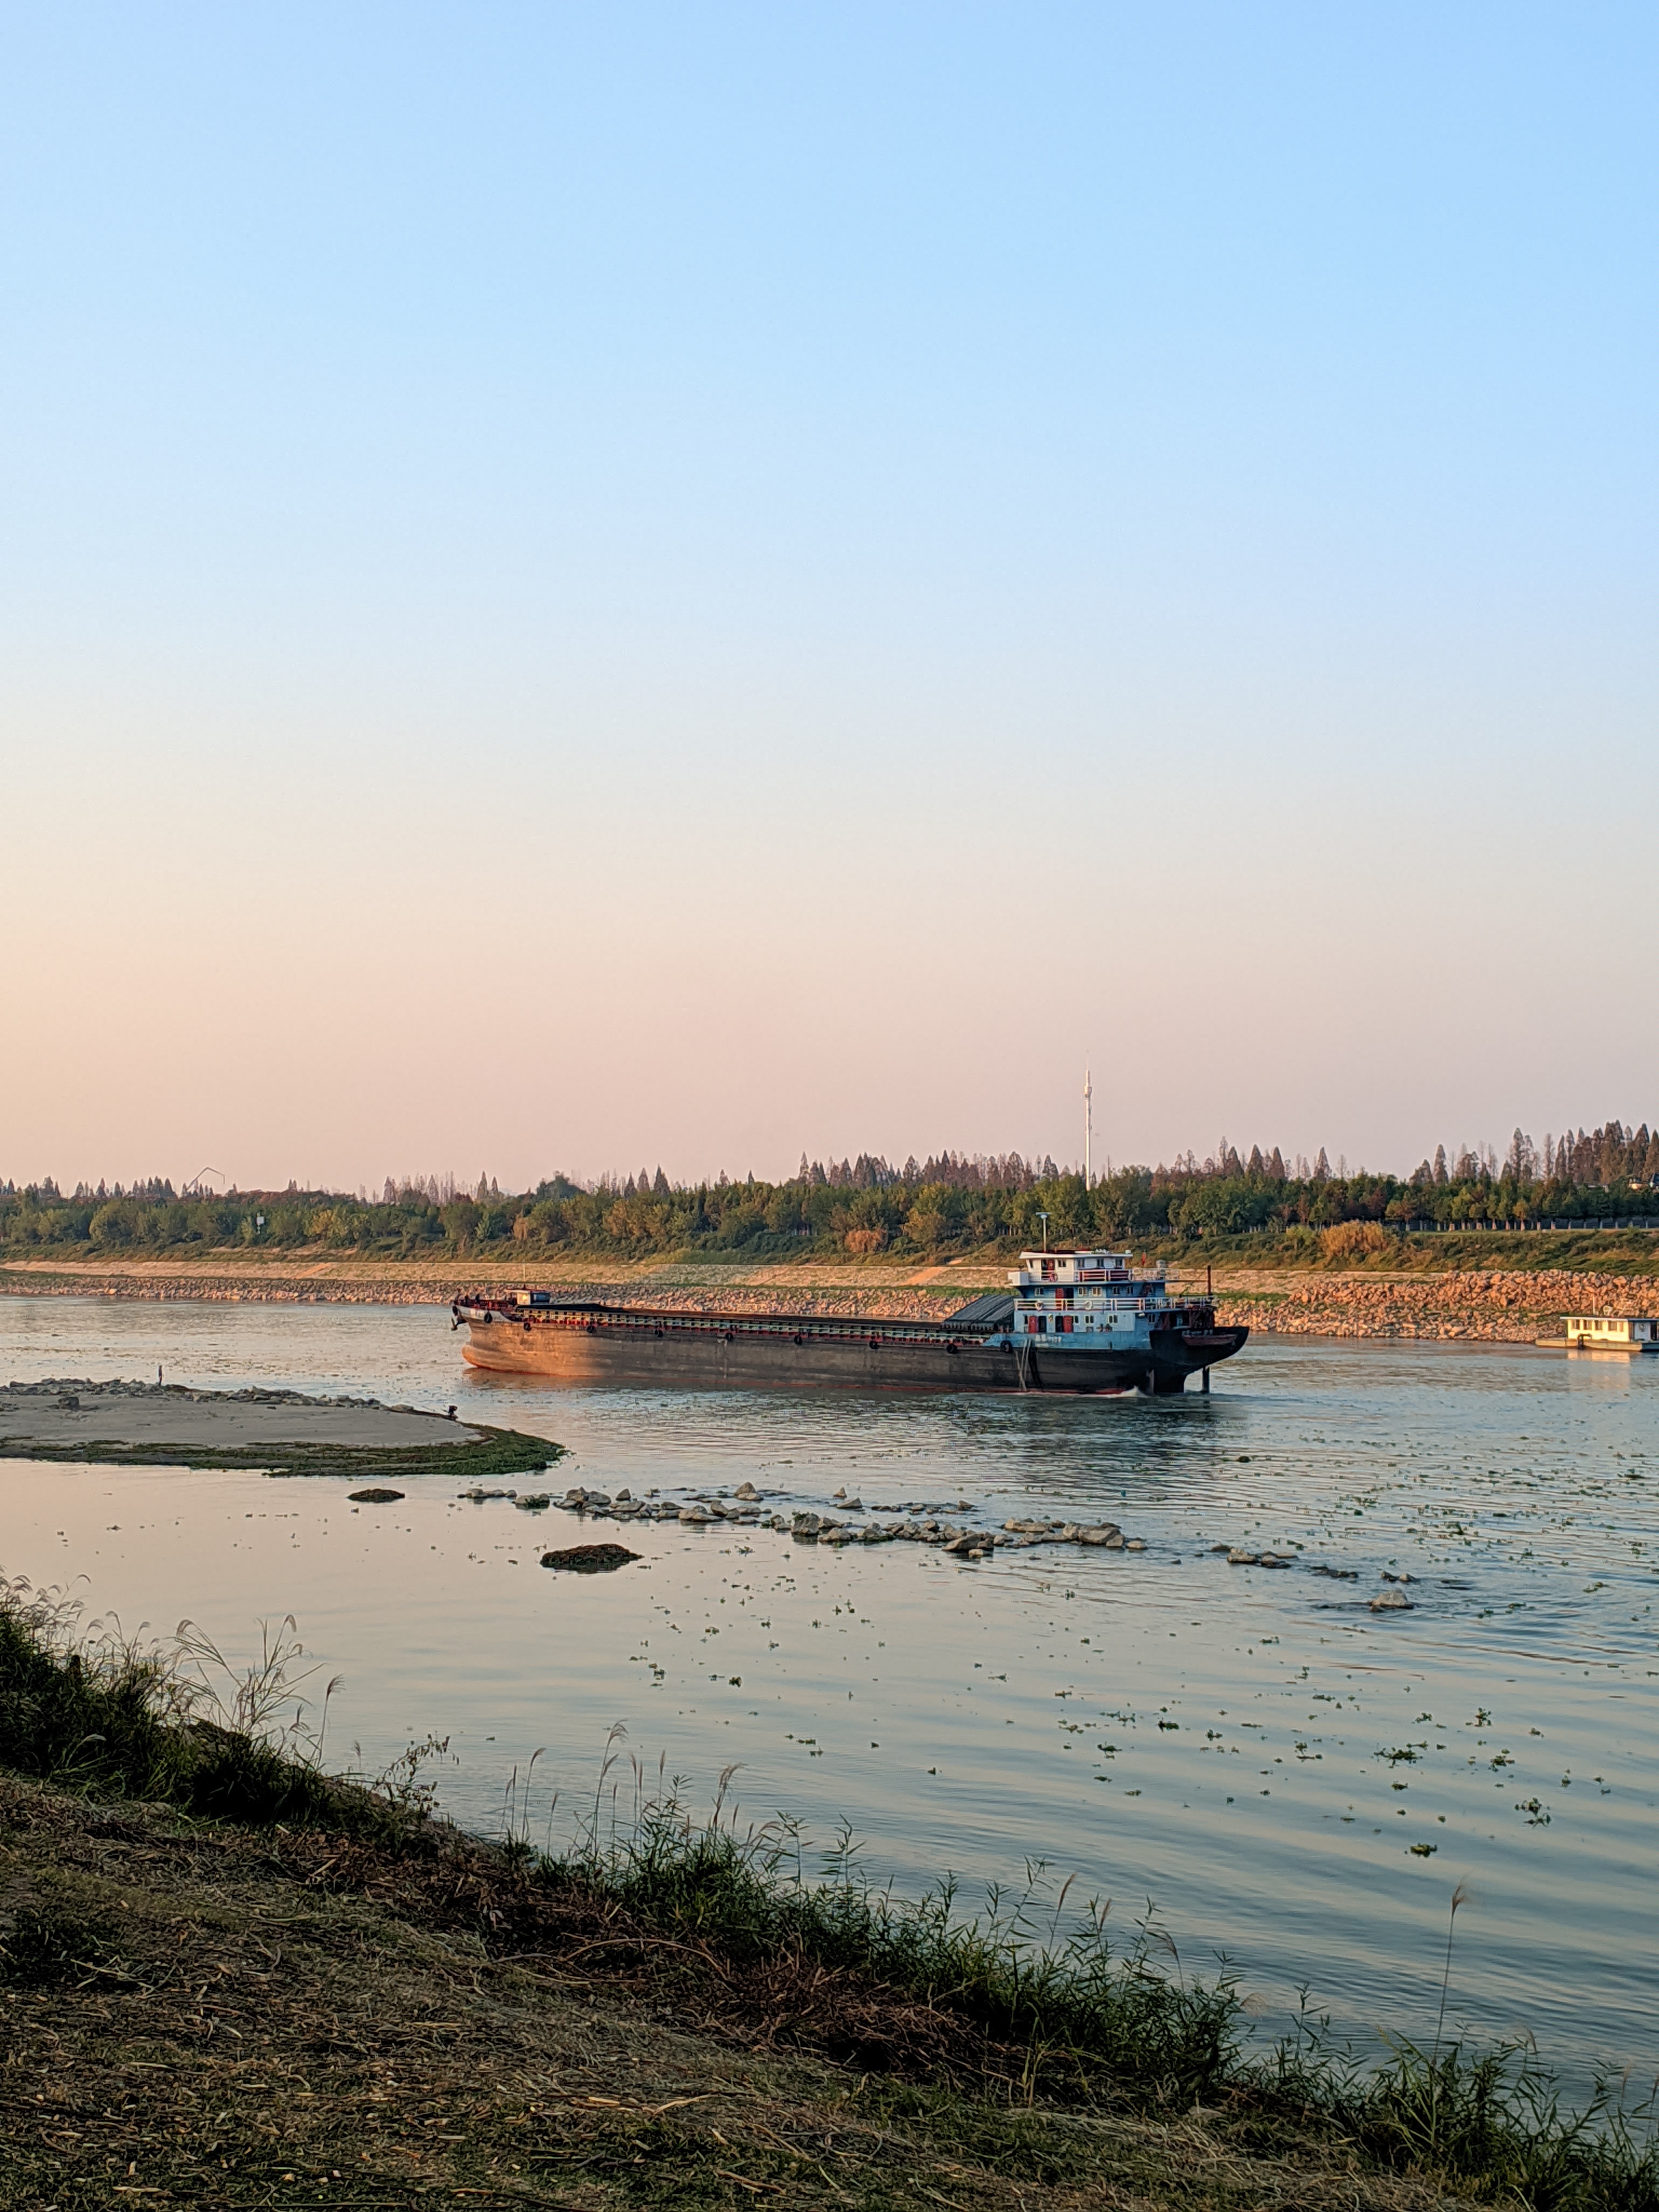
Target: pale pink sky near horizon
682, 587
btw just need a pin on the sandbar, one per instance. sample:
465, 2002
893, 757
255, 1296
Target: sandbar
284, 1432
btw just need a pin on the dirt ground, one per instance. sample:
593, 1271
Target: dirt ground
212, 2017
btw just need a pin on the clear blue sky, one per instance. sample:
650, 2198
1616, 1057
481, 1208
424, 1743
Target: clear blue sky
589, 586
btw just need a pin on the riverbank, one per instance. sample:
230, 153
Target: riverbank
205, 2012
227, 1977
118, 1423
1506, 1304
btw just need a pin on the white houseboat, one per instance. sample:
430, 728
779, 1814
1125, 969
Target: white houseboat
1610, 1333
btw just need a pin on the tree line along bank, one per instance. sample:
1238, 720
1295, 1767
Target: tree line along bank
947, 1206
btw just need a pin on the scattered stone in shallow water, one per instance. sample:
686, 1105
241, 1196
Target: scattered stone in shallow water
482, 1496
1392, 1600
537, 1501
742, 1509
590, 1559
1235, 1559
374, 1497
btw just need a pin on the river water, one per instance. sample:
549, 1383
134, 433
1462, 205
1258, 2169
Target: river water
1287, 1780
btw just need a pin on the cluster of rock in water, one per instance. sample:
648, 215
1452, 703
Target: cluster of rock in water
1389, 1601
746, 1507
924, 1524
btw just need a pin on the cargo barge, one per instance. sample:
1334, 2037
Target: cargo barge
1074, 1322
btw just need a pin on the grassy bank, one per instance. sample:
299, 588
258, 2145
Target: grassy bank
230, 1978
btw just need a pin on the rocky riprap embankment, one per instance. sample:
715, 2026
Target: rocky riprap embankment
878, 1303
1494, 1305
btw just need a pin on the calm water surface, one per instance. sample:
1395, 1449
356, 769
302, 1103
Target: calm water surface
1253, 1752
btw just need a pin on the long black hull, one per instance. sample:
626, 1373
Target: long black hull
622, 1344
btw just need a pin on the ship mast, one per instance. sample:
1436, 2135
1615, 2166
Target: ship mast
1088, 1125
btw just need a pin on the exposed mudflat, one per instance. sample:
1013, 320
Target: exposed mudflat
272, 1431
139, 1416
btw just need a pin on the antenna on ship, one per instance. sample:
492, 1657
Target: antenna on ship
1088, 1124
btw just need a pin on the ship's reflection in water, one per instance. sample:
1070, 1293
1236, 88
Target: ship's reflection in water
1292, 1779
